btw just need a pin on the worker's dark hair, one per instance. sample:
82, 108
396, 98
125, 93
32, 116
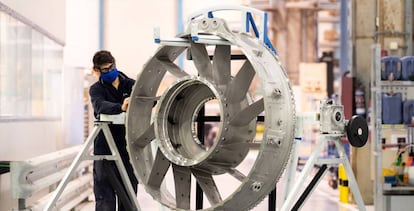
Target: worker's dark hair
102, 57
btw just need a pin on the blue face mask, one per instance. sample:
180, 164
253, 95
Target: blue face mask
110, 76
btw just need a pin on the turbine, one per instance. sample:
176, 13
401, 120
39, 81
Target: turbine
163, 142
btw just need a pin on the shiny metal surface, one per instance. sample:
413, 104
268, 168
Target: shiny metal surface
259, 87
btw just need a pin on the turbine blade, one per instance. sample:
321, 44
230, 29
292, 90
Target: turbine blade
207, 183
182, 181
158, 170
145, 138
239, 86
172, 68
246, 115
222, 64
236, 174
201, 60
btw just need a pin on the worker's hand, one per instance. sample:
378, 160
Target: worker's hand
125, 104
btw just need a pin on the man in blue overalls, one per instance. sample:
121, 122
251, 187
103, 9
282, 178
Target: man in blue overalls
110, 95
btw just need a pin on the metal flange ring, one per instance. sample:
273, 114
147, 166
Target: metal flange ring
164, 145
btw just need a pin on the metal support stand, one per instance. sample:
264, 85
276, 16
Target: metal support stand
315, 181
272, 200
84, 155
200, 131
314, 159
291, 169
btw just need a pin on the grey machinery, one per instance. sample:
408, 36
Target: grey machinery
239, 100
163, 142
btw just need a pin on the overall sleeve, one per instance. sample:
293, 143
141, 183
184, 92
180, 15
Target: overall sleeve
100, 104
131, 84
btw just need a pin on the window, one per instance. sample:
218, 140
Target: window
30, 71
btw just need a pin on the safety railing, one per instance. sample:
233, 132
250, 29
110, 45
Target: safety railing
38, 177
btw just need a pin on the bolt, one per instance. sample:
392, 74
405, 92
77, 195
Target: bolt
257, 53
204, 24
277, 92
256, 186
279, 122
275, 140
278, 143
215, 24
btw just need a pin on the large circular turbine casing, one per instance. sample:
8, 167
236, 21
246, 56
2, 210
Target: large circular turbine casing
179, 155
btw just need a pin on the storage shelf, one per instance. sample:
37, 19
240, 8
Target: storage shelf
393, 126
399, 190
384, 193
386, 146
333, 44
329, 19
397, 83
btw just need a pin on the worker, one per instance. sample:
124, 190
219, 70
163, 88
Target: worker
110, 95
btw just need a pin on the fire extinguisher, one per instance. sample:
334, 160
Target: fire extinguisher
360, 101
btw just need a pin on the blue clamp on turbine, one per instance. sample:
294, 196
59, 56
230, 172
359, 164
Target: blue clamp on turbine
248, 21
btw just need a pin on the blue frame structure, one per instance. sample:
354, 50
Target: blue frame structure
247, 24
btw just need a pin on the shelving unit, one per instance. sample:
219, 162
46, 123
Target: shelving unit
328, 26
386, 197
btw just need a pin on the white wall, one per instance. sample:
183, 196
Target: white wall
82, 41
191, 6
73, 107
129, 30
129, 25
48, 14
75, 23
82, 32
26, 138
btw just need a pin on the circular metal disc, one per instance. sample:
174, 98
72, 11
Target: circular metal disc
357, 131
164, 144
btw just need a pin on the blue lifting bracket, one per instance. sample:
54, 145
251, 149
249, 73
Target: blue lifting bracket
248, 22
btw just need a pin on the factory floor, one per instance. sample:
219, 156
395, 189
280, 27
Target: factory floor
323, 198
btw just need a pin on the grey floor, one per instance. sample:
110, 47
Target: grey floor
323, 198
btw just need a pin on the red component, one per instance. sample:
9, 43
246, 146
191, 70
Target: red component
384, 53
